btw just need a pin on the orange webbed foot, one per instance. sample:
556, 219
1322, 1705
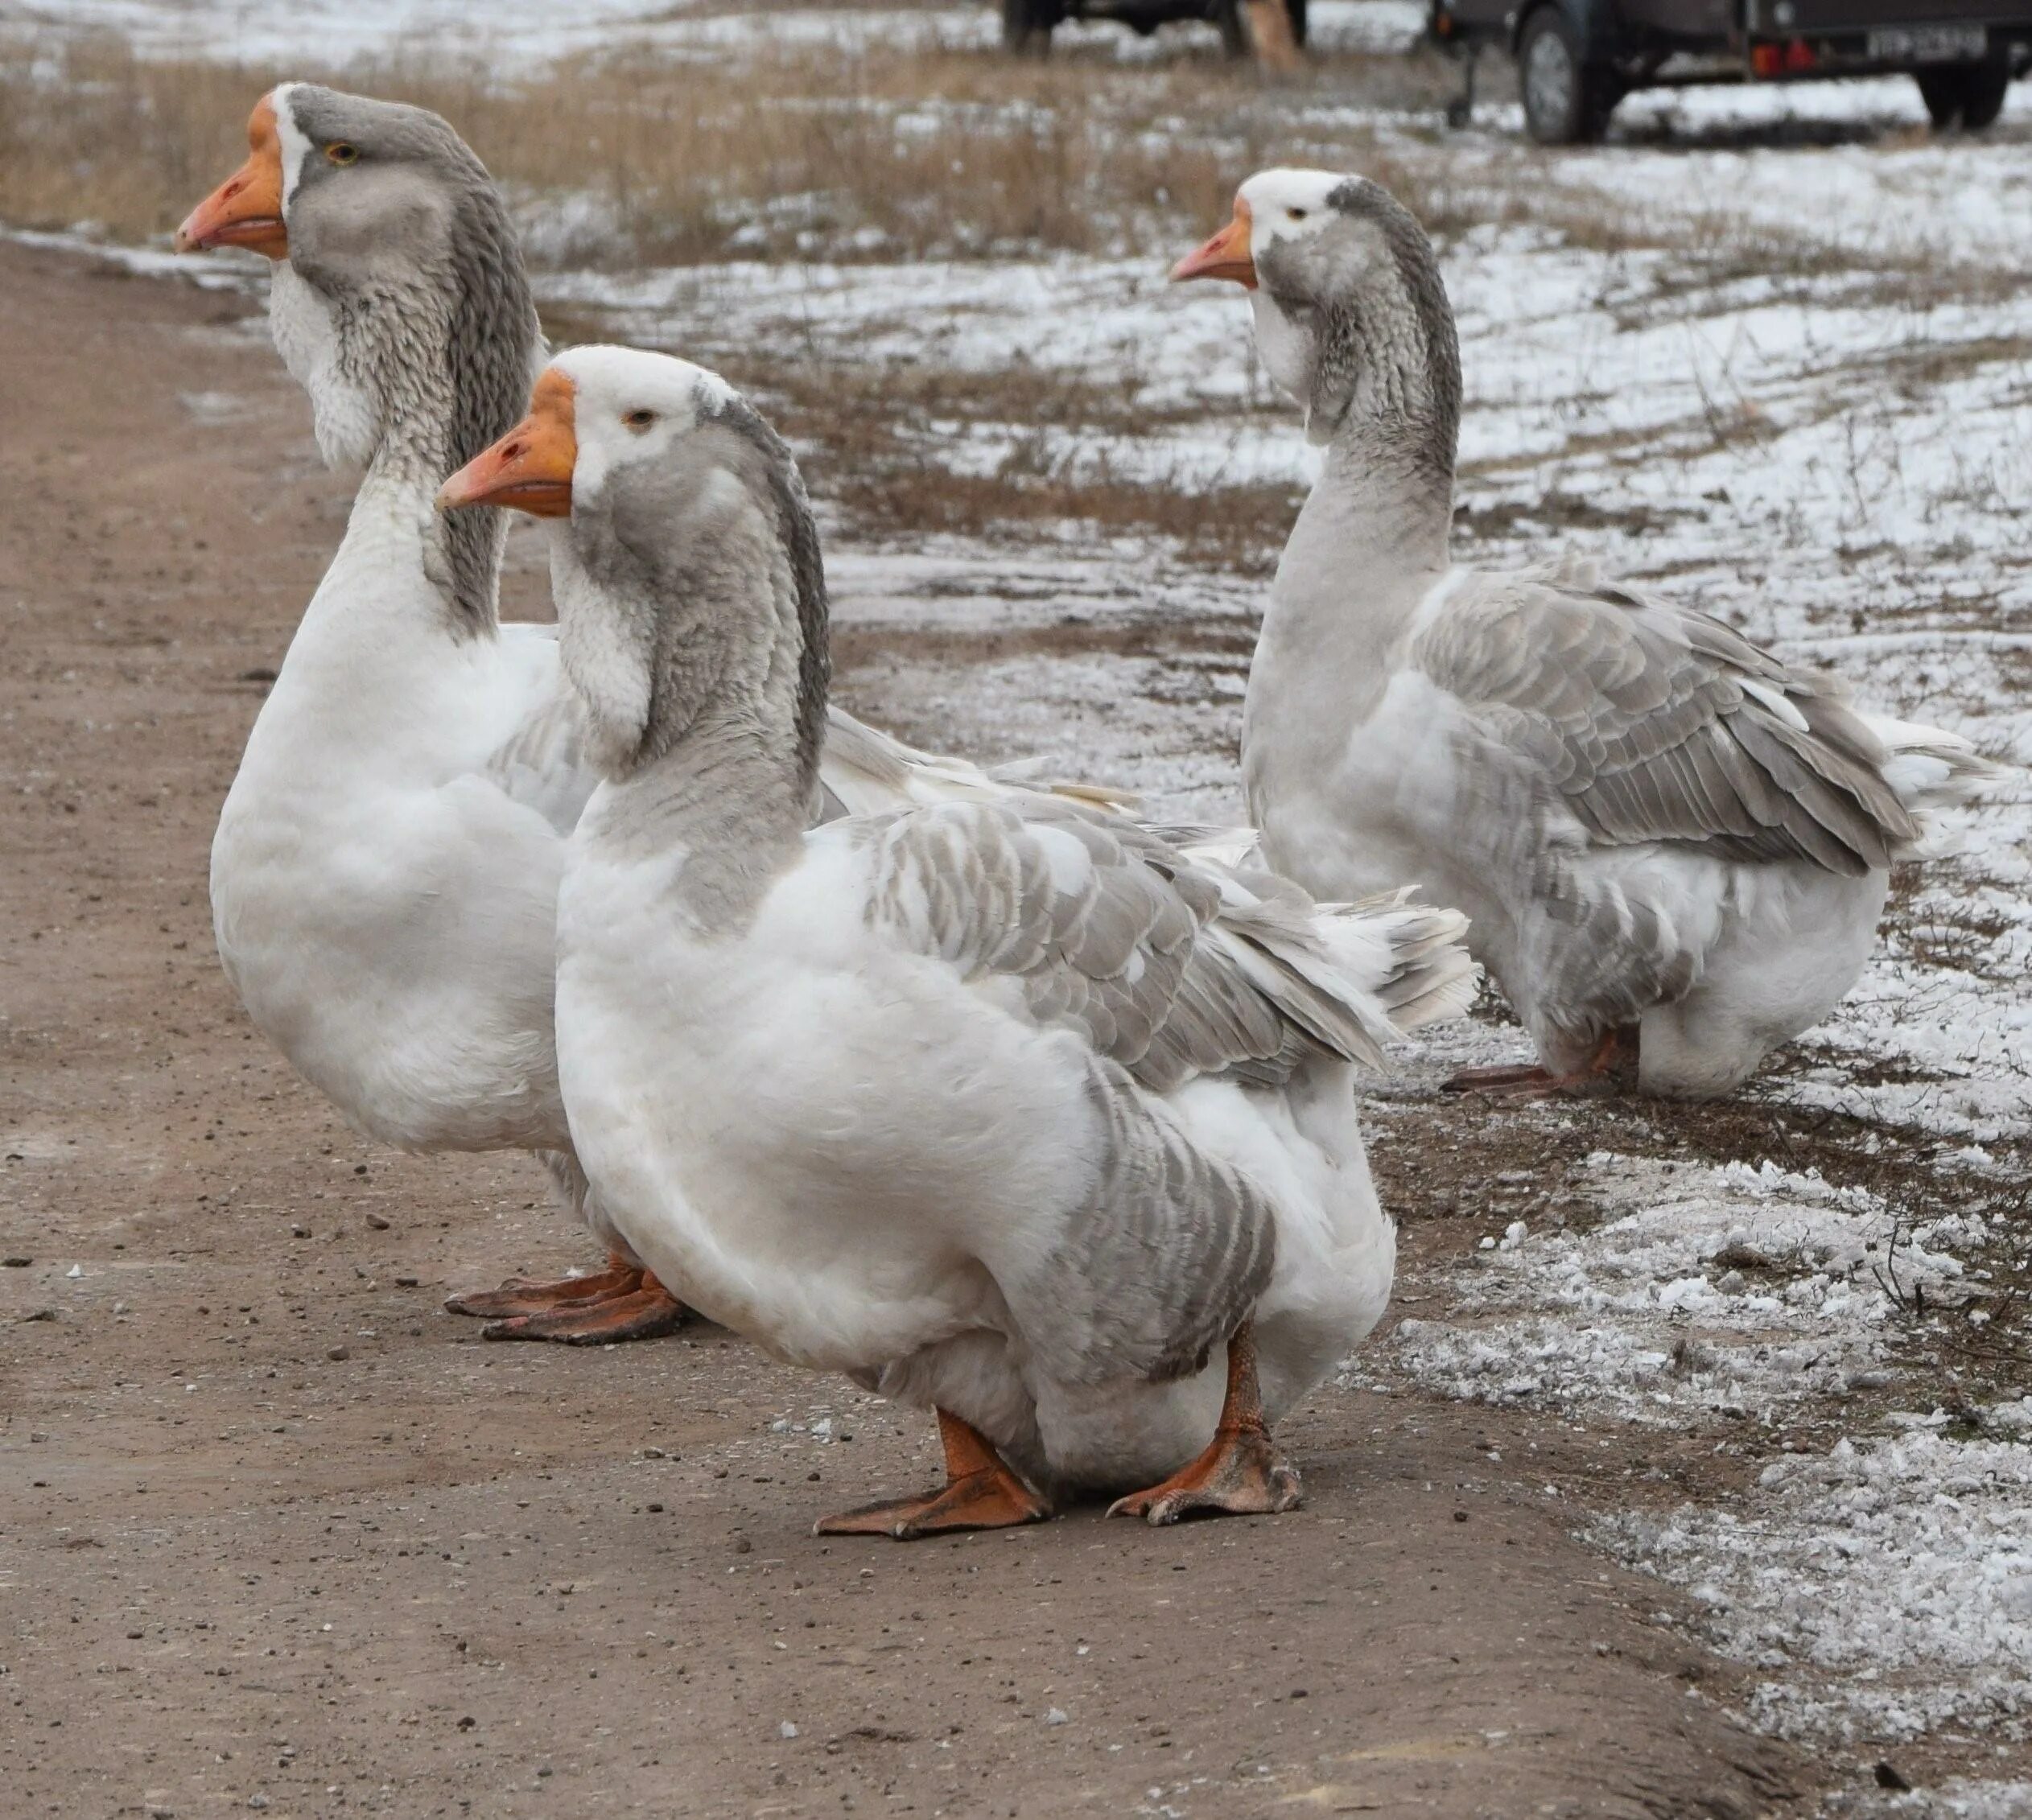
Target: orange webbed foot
1241, 1473
647, 1312
980, 1493
1244, 1473
1612, 1066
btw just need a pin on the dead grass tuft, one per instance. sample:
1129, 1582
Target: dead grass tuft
882, 462
622, 158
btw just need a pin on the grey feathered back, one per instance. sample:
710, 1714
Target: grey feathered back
1167, 970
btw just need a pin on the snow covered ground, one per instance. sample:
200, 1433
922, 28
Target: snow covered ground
1770, 353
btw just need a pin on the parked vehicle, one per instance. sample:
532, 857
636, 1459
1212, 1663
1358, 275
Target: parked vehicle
1027, 25
1577, 59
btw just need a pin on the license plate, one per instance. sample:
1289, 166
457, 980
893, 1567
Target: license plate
1930, 44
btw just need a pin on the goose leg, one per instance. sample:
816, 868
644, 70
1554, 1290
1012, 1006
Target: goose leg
980, 1492
1530, 1081
623, 1302
1242, 1473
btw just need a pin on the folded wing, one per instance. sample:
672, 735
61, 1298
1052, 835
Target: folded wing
1653, 723
1168, 969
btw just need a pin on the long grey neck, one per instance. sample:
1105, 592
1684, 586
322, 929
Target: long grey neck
1373, 535
706, 705
1384, 397
1378, 369
410, 379
727, 804
1368, 547
430, 428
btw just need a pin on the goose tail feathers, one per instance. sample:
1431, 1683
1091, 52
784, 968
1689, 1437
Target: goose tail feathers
1411, 956
1352, 975
1933, 773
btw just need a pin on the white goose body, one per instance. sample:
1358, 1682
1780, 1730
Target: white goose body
1713, 961
1656, 830
1005, 1105
384, 873
383, 885
846, 1148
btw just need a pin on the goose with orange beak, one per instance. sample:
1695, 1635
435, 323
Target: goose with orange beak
384, 877
1673, 846
1006, 1105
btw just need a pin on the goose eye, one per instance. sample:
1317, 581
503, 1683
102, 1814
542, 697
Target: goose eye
1296, 214
638, 421
341, 153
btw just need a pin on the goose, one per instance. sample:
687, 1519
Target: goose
1011, 1108
384, 873
1672, 846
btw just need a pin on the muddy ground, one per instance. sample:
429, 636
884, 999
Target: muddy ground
276, 1532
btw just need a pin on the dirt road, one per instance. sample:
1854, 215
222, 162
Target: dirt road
277, 1533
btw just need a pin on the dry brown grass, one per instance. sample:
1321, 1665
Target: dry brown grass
884, 155
89, 134
879, 462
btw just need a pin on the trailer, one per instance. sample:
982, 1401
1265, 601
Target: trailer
1577, 59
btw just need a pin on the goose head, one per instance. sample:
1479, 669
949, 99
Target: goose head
1351, 318
684, 560
399, 300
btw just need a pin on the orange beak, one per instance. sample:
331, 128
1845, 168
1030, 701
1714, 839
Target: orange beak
529, 468
246, 209
1226, 256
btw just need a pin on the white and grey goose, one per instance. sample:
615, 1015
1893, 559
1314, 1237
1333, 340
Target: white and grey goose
384, 878
1672, 846
1011, 1108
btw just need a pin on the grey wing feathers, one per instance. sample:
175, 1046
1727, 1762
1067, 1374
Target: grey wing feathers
1424, 974
1170, 968
1052, 894
864, 770
1658, 724
1168, 1256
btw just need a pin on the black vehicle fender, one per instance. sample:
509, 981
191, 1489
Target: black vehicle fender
1595, 20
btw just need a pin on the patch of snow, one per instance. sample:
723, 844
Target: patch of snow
1730, 1293
1889, 1581
1955, 1799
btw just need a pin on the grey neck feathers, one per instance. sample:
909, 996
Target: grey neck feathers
1384, 384
433, 357
691, 602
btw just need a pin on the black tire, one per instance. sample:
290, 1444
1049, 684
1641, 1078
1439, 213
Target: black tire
1026, 26
1567, 100
1969, 95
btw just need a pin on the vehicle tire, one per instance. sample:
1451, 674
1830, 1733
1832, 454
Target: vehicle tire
1969, 95
1026, 26
1567, 100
